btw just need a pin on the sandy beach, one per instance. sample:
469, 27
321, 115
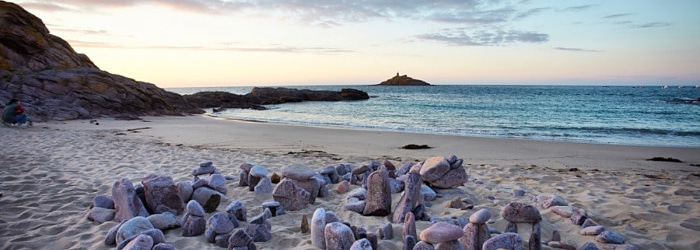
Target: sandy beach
52, 171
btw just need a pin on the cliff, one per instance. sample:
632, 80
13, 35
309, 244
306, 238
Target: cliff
56, 83
404, 80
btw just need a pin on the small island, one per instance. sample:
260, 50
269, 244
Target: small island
403, 80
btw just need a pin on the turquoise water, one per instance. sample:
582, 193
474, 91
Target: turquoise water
648, 116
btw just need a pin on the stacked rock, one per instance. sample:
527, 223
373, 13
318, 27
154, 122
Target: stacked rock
411, 200
299, 187
193, 222
259, 227
442, 235
444, 172
517, 212
504, 241
136, 233
219, 227
208, 191
476, 232
378, 194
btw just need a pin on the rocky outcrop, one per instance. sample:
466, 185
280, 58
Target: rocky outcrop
56, 83
404, 80
264, 96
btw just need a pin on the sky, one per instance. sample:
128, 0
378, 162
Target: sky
202, 43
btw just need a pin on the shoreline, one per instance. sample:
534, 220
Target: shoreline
56, 168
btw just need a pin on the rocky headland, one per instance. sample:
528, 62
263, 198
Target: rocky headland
56, 83
403, 80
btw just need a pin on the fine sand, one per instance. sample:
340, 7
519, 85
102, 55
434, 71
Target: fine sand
52, 171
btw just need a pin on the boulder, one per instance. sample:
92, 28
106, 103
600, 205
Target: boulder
208, 198
126, 204
338, 236
504, 241
297, 172
291, 196
410, 198
162, 194
378, 194
164, 221
132, 227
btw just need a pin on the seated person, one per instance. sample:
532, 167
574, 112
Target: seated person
14, 113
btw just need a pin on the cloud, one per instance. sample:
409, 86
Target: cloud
617, 15
530, 12
652, 25
577, 49
462, 37
221, 47
579, 7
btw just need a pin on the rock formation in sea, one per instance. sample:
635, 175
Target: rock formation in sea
404, 80
56, 83
262, 96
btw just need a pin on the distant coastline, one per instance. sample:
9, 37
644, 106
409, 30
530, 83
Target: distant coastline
403, 80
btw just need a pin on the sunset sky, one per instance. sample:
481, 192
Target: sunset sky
198, 43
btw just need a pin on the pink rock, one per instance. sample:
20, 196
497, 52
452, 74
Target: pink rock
434, 168
592, 230
518, 212
480, 217
441, 232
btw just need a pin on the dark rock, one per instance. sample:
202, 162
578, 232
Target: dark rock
103, 202
610, 237
275, 178
208, 198
579, 216
219, 223
305, 228
410, 198
185, 190
259, 232
415, 146
409, 226
291, 196
409, 241
386, 231
237, 208
111, 237
505, 241
162, 194
588, 246
163, 246
101, 215
164, 221
404, 80
239, 238
193, 226
56, 83
378, 194
518, 212
275, 208
669, 159
264, 186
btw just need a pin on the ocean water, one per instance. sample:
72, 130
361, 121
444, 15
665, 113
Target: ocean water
645, 116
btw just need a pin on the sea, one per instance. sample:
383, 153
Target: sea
621, 115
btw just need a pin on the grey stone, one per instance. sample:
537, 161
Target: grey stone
218, 183
610, 237
162, 195
193, 226
111, 237
126, 204
291, 196
378, 194
452, 178
480, 217
361, 244
259, 232
164, 221
434, 168
140, 242
194, 208
163, 246
422, 245
386, 231
579, 216
297, 172
506, 241
338, 236
185, 189
239, 238
264, 186
103, 201
410, 198
220, 223
237, 208
275, 208
208, 198
448, 245
132, 227
318, 225
355, 205
258, 171
518, 212
100, 214
588, 246
409, 241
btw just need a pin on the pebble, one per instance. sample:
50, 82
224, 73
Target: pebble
592, 230
338, 236
610, 237
258, 171
343, 187
304, 224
